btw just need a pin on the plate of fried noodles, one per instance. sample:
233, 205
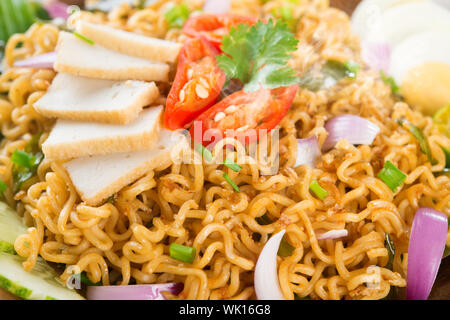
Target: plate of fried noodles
224, 150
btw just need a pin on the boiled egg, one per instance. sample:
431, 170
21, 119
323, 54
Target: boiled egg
401, 21
367, 14
420, 65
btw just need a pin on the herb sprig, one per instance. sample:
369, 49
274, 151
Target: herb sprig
258, 55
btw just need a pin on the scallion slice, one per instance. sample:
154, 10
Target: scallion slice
285, 249
204, 152
3, 186
85, 39
391, 250
228, 179
421, 138
233, 166
182, 253
318, 190
392, 176
23, 159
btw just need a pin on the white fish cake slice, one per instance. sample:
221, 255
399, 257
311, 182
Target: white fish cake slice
97, 178
73, 139
84, 99
77, 57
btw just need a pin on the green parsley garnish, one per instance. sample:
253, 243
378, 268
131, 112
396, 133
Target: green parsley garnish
85, 39
390, 82
392, 176
228, 179
257, 56
318, 190
331, 73
177, 16
182, 253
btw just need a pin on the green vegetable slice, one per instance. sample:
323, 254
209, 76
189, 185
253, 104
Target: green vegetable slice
231, 182
315, 187
11, 26
442, 120
392, 176
41, 283
389, 244
390, 82
421, 138
11, 226
85, 39
331, 73
177, 16
285, 249
182, 253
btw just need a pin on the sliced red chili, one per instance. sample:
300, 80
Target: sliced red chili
214, 26
197, 85
244, 116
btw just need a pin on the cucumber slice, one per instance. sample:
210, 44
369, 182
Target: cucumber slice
40, 284
18, 7
8, 18
11, 226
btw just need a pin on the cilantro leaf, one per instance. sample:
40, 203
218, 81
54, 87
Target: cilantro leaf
258, 55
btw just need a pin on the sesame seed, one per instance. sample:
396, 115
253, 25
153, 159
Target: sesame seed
201, 91
242, 128
182, 95
204, 83
219, 116
231, 109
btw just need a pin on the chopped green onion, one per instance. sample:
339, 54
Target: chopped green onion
23, 159
204, 152
85, 39
391, 250
286, 15
421, 138
392, 176
447, 157
3, 186
389, 81
177, 15
446, 251
285, 249
233, 166
331, 73
182, 253
228, 179
83, 278
318, 190
352, 68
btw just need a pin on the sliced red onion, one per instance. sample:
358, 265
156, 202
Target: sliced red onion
354, 129
332, 234
133, 292
217, 6
57, 9
426, 246
266, 284
307, 151
44, 61
377, 55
